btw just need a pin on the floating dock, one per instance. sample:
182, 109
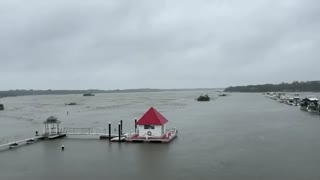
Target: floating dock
166, 138
22, 141
56, 136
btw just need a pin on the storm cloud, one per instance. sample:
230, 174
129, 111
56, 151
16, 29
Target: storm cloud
118, 44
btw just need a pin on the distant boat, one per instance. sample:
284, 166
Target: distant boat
310, 104
223, 94
88, 94
71, 104
1, 107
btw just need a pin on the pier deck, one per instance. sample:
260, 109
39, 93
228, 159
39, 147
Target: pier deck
166, 138
22, 141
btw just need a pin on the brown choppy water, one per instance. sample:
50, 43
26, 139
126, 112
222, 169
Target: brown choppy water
242, 136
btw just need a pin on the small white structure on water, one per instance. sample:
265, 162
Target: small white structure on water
152, 124
51, 126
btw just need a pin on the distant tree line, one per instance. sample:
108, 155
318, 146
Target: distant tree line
296, 86
23, 92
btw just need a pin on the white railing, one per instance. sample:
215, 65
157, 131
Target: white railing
85, 131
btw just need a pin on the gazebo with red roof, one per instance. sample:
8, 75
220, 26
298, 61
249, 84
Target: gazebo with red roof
152, 124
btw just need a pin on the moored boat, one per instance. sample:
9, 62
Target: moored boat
313, 105
310, 104
88, 94
304, 104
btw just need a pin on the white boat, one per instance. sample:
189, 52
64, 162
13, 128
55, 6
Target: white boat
116, 139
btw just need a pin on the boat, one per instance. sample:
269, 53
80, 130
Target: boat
290, 101
223, 94
313, 105
71, 104
304, 104
310, 104
1, 107
30, 141
116, 139
13, 145
88, 94
296, 100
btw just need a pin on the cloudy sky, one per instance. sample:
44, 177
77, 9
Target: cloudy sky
119, 44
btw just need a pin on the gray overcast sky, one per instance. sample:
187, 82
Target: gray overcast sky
83, 44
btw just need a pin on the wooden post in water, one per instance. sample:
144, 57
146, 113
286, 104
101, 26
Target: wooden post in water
119, 132
135, 125
109, 131
121, 127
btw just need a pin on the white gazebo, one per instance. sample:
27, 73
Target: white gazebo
152, 124
51, 126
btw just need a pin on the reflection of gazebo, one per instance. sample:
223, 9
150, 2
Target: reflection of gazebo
51, 126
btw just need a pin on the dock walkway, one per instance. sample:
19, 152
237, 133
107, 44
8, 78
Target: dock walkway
23, 141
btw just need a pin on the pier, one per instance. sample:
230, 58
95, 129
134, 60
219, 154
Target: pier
23, 141
150, 128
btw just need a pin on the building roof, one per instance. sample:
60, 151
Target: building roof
51, 120
152, 117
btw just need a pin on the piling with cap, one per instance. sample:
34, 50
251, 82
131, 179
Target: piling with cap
121, 127
119, 132
109, 131
135, 125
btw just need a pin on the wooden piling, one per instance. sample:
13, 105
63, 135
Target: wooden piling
109, 131
135, 125
119, 132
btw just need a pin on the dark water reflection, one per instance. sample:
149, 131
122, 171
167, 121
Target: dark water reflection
242, 136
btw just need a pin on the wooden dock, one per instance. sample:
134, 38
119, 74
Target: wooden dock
170, 135
22, 141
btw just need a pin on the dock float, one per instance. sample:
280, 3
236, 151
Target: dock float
15, 144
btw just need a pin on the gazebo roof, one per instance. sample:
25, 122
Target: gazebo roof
152, 117
51, 120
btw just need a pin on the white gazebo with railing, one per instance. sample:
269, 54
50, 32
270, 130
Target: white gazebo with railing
51, 126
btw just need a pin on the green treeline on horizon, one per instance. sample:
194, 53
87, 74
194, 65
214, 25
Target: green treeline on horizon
295, 86
24, 92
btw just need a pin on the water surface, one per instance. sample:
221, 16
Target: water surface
242, 136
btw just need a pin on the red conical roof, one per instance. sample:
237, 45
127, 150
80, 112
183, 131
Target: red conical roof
152, 117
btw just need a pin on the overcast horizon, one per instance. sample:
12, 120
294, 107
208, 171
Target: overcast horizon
168, 44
